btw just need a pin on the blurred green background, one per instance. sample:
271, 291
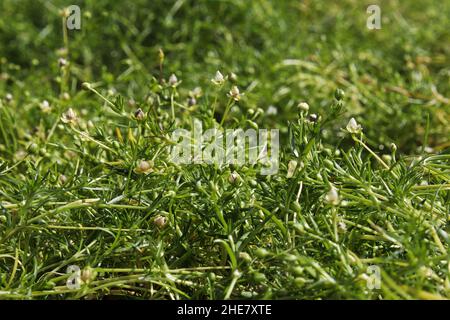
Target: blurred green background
282, 51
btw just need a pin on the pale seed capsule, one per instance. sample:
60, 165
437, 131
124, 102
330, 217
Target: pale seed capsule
86, 86
218, 78
232, 76
245, 256
261, 253
160, 55
65, 96
62, 179
393, 147
259, 277
144, 167
234, 93
160, 221
339, 94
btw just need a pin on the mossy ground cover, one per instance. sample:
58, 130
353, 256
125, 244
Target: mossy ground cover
86, 123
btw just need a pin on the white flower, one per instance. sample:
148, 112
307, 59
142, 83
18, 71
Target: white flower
62, 179
144, 167
353, 126
69, 116
332, 197
218, 78
173, 80
234, 93
341, 226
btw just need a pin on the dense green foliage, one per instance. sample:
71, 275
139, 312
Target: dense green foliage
86, 180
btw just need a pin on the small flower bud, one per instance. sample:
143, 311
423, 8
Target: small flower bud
65, 96
86, 86
131, 102
160, 221
237, 273
393, 147
332, 197
33, 148
245, 256
353, 126
303, 106
387, 158
8, 97
339, 94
